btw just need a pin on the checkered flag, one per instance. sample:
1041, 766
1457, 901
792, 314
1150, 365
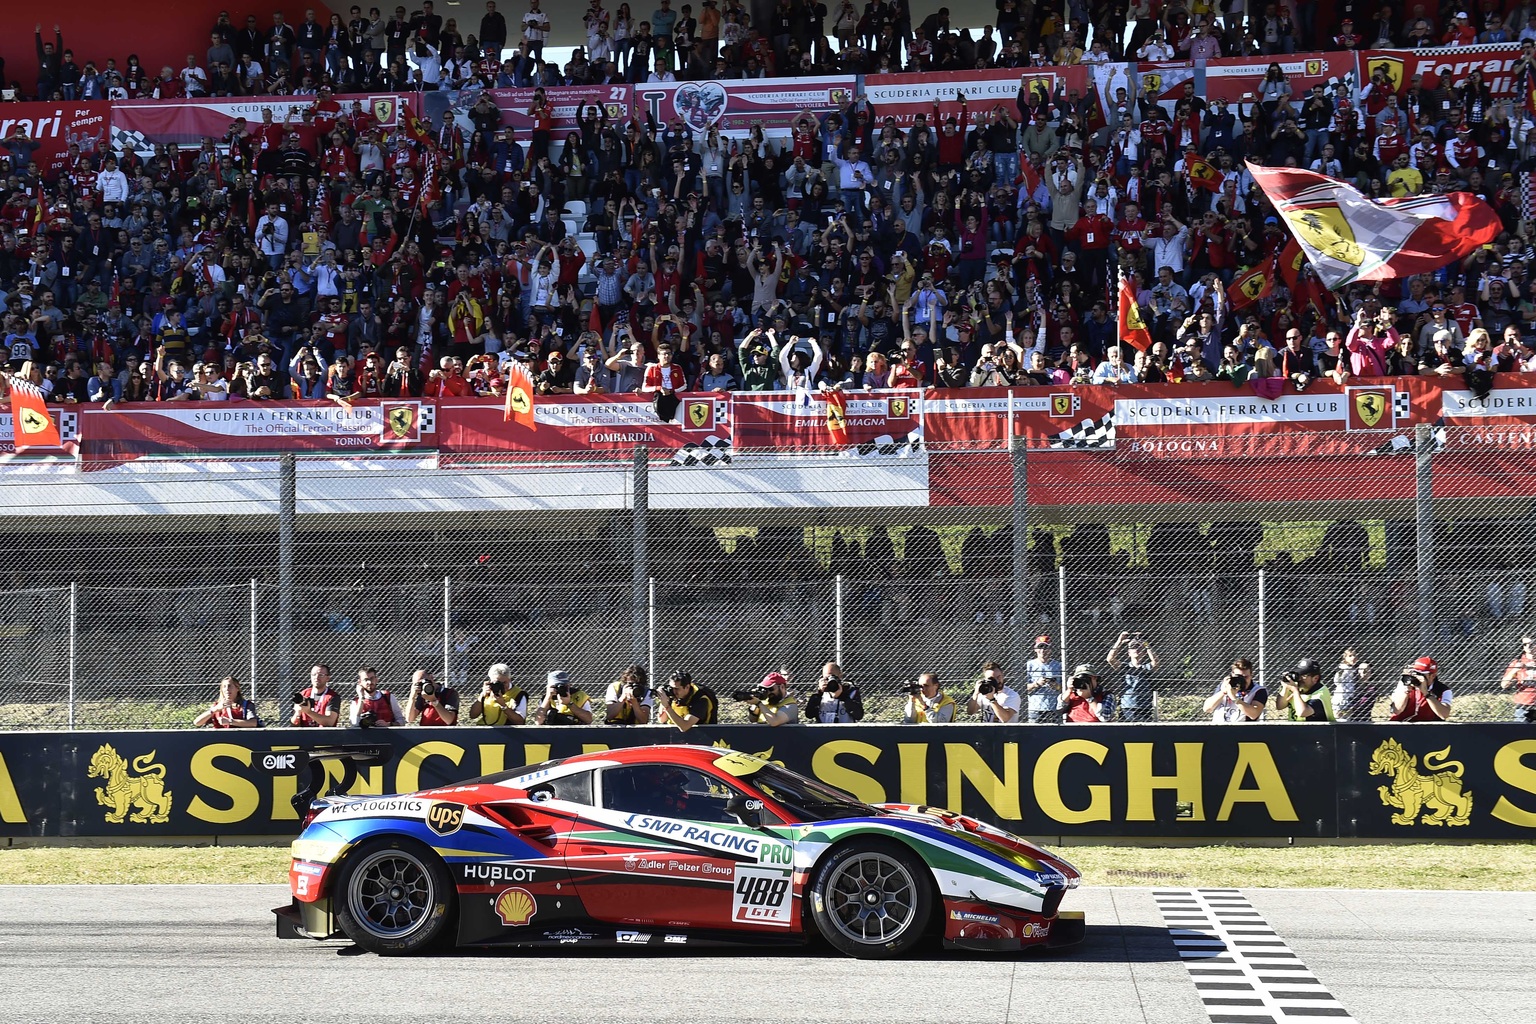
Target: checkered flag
125, 140
886, 445
711, 451
1402, 405
1098, 433
1402, 444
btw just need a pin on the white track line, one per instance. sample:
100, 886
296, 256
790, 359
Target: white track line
1244, 972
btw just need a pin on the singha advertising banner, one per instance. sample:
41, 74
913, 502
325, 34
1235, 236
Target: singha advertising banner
1475, 781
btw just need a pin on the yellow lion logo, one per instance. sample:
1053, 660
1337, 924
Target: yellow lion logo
146, 789
1437, 794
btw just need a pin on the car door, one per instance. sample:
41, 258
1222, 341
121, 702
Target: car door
664, 851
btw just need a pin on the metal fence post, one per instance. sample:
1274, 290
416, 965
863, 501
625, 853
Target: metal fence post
1263, 637
1424, 523
1021, 590
1061, 605
640, 501
650, 633
447, 631
74, 636
254, 638
837, 619
287, 528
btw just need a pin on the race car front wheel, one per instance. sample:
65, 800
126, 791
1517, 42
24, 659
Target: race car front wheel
394, 896
872, 899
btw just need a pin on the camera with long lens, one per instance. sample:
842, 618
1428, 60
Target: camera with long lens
639, 689
562, 689
913, 689
831, 684
1291, 677
985, 686
753, 693
367, 720
1238, 681
429, 688
299, 698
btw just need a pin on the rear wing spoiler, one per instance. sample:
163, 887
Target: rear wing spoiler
309, 766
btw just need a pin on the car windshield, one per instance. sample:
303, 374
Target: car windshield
808, 799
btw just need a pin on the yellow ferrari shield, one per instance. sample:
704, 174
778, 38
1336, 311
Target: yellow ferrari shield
1391, 68
698, 413
898, 407
1151, 84
33, 422
1325, 229
1369, 405
1133, 318
836, 420
401, 419
1061, 405
1314, 68
519, 399
384, 109
1253, 287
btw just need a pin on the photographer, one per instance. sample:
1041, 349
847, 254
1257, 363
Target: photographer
1042, 680
317, 704
231, 710
1136, 703
992, 698
1302, 696
834, 699
768, 703
373, 707
1420, 696
1238, 699
499, 703
1084, 699
927, 704
431, 703
629, 698
686, 704
562, 705
1520, 680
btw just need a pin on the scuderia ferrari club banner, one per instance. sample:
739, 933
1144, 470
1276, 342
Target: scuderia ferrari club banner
232, 429
738, 105
473, 431
1457, 781
905, 96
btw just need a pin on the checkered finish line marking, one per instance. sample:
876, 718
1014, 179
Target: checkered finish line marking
1244, 972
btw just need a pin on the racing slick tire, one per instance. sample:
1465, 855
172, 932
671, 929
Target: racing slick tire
394, 897
872, 899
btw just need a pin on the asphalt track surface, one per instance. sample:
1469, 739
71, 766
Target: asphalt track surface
168, 954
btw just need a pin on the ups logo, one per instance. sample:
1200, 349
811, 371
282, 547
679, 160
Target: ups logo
1434, 793
445, 819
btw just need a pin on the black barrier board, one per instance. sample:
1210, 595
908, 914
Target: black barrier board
1473, 781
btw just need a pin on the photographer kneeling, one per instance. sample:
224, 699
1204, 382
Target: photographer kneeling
835, 699
373, 706
499, 703
431, 702
993, 698
629, 698
563, 705
768, 703
1084, 699
1302, 696
927, 704
686, 705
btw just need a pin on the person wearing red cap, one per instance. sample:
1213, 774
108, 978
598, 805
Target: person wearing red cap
1420, 696
1520, 679
770, 703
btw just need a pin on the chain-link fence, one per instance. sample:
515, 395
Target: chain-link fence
889, 565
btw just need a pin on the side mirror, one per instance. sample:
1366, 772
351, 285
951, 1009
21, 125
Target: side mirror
748, 812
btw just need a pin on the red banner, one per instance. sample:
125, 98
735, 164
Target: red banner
905, 96
1445, 67
54, 126
789, 421
189, 122
566, 101
1237, 80
242, 429
736, 106
474, 431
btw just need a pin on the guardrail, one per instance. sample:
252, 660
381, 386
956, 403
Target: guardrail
1208, 782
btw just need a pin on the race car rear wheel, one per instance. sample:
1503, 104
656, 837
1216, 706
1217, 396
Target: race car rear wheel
394, 896
872, 899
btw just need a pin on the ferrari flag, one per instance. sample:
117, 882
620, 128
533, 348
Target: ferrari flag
30, 422
519, 396
1348, 237
1133, 326
1202, 173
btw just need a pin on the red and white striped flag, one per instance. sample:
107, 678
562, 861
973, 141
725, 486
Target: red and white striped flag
1348, 237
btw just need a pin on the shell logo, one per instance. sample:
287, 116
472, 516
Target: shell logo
515, 907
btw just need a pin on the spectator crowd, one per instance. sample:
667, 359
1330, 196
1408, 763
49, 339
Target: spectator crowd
1124, 691
320, 255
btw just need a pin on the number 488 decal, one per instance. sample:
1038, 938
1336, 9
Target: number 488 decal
761, 896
